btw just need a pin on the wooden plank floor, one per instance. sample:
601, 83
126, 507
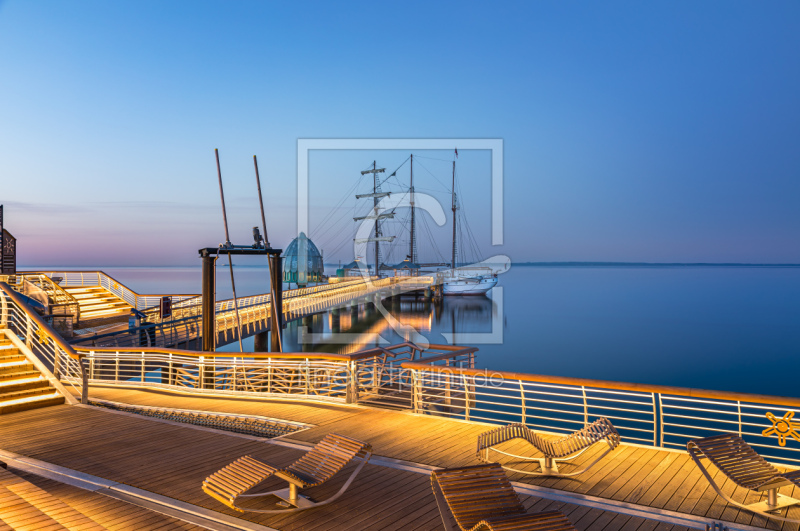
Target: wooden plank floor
39, 503
646, 476
172, 460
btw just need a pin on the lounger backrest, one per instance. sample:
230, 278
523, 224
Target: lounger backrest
600, 429
474, 492
327, 458
735, 458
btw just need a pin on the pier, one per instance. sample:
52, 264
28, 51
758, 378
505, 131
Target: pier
104, 305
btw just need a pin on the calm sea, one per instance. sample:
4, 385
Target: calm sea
727, 328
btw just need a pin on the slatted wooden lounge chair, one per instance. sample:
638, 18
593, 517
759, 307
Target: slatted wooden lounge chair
554, 450
742, 465
481, 498
316, 467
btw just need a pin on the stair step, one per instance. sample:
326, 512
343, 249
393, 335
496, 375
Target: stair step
84, 289
103, 304
33, 402
104, 313
19, 514
8, 396
65, 515
7, 377
22, 384
11, 367
11, 356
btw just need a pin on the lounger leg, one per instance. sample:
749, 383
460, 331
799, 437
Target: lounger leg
293, 498
773, 502
548, 465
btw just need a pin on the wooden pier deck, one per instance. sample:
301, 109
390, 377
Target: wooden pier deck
172, 460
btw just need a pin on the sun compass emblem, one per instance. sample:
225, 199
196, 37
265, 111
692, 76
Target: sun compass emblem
42, 336
782, 427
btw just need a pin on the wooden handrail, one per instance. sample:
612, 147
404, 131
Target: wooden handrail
52, 334
606, 384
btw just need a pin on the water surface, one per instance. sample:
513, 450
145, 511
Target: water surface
726, 328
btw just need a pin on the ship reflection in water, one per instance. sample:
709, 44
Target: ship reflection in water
351, 329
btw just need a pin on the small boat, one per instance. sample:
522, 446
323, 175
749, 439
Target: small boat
476, 285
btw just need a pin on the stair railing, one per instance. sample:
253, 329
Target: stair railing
46, 344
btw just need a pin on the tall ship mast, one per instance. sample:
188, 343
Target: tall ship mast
465, 280
376, 196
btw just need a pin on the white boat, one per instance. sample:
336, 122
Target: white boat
469, 285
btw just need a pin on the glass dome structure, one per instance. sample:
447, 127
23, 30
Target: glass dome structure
302, 262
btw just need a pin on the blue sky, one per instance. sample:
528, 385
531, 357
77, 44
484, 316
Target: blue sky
633, 131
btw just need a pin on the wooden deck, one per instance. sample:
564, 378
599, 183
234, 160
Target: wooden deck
173, 460
33, 502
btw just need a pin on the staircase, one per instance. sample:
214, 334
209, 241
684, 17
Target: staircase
96, 302
22, 386
26, 507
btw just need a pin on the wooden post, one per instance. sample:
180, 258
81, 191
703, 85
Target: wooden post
261, 342
352, 380
208, 304
84, 381
276, 294
209, 316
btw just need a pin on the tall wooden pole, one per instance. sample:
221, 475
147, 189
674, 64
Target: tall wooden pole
275, 281
230, 259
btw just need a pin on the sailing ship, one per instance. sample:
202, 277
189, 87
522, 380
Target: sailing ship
474, 279
467, 280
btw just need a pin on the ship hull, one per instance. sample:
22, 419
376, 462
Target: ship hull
469, 286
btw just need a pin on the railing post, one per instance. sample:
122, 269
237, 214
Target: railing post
585, 407
658, 425
84, 381
3, 311
28, 332
352, 380
416, 406
522, 403
466, 397
739, 410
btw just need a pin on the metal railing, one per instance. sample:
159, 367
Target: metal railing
72, 279
193, 305
253, 316
47, 345
657, 416
346, 378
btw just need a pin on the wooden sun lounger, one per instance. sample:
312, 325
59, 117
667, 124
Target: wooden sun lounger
742, 465
316, 467
481, 498
554, 450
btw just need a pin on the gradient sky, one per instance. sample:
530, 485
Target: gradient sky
633, 131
